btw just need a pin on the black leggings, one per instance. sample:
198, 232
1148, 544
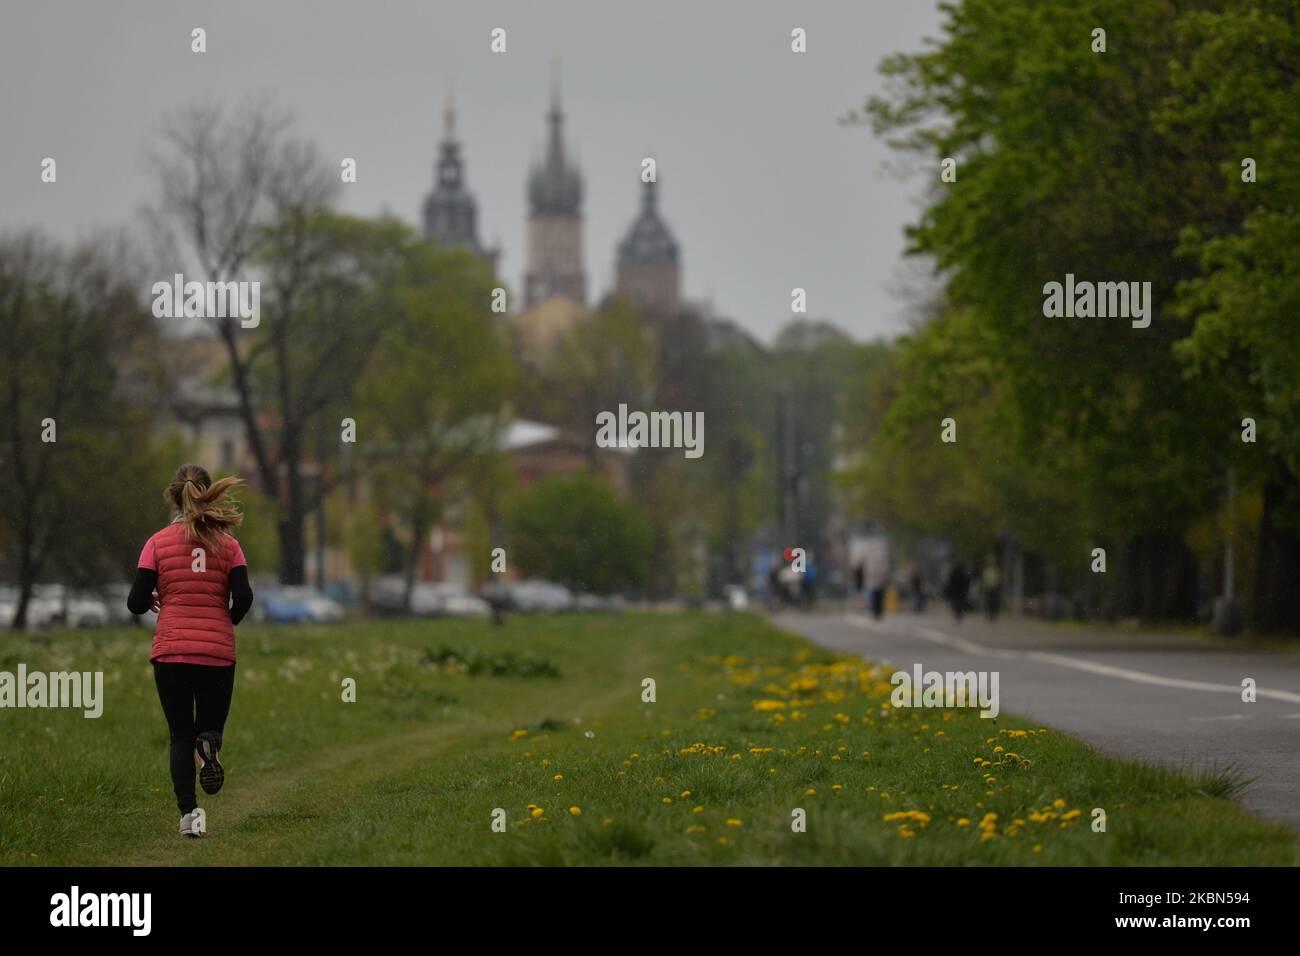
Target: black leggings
195, 699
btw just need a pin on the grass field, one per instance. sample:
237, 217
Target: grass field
749, 724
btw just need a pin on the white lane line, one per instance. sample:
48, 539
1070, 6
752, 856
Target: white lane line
1105, 670
1223, 717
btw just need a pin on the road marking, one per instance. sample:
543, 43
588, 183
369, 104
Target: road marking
1078, 663
1223, 717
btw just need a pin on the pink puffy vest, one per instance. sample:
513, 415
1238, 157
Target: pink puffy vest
195, 614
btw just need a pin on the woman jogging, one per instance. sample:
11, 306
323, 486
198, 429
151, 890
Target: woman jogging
193, 573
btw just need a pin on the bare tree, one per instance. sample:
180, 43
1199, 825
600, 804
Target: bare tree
241, 197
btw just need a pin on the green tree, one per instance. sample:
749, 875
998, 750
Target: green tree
606, 360
574, 530
1236, 78
242, 198
73, 357
1062, 168
433, 397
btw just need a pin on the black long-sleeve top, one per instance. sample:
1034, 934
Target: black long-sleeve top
241, 593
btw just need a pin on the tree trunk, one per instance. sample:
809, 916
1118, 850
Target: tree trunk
292, 568
19, 623
419, 528
1277, 598
27, 571
293, 548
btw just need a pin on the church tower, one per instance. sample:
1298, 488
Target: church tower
450, 213
647, 270
554, 266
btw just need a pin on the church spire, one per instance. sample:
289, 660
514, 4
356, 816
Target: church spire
449, 118
554, 259
647, 265
555, 140
554, 185
450, 212
555, 83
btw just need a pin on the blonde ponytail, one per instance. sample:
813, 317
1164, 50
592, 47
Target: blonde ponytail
202, 506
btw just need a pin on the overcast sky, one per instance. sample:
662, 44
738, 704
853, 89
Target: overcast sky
762, 188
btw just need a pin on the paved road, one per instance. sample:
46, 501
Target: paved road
1158, 698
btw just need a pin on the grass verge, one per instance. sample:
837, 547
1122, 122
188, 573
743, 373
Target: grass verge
544, 720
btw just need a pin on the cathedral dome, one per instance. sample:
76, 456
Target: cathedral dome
553, 191
648, 241
555, 185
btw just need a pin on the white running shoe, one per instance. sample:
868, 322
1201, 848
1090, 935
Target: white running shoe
194, 823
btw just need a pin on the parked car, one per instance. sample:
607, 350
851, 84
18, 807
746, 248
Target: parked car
456, 601
529, 597
428, 599
54, 605
8, 605
598, 602
296, 604
386, 595
46, 606
341, 592
114, 597
83, 609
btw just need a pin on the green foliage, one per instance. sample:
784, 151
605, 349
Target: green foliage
433, 395
574, 530
1235, 87
605, 360
365, 543
75, 352
1122, 166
